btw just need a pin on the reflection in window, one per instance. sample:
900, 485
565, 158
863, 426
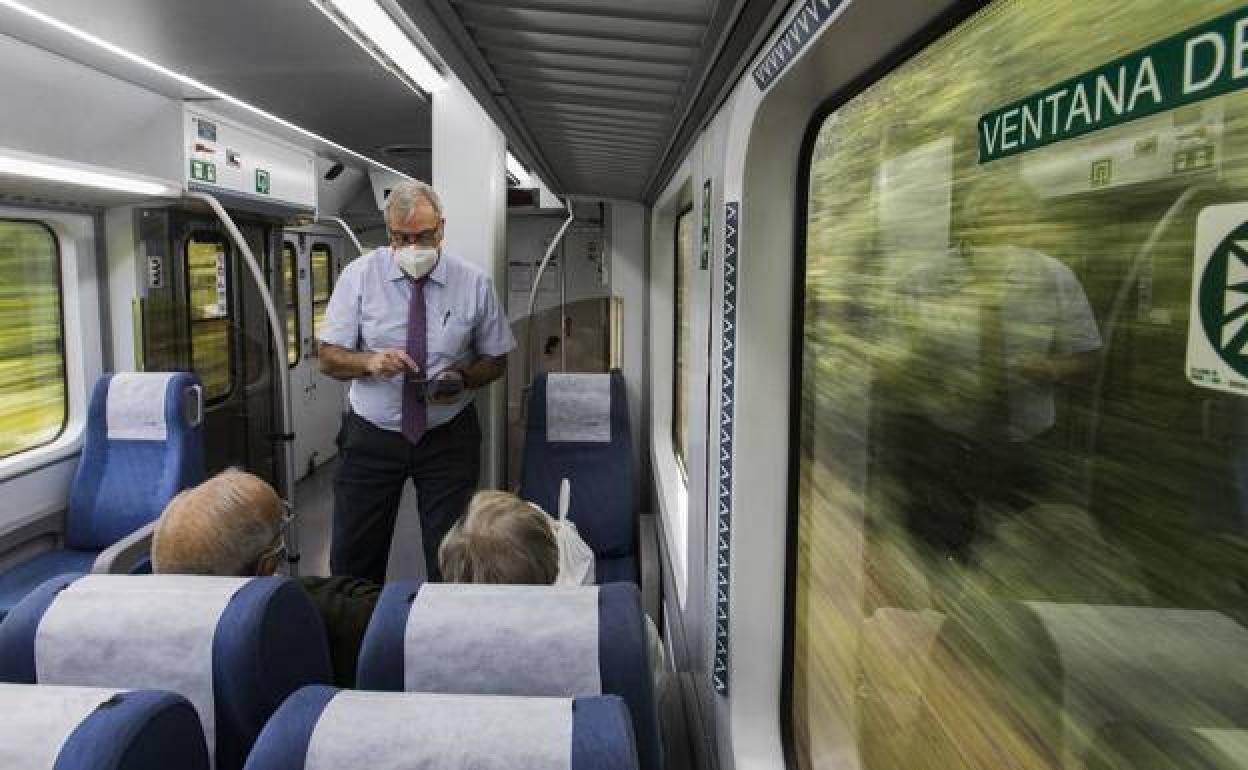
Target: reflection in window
680, 326
1022, 535
32, 358
322, 283
290, 285
207, 271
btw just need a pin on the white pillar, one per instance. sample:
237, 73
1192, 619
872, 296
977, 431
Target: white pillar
469, 173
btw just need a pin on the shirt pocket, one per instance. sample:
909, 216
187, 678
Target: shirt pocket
450, 335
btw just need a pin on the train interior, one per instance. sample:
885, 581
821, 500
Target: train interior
914, 331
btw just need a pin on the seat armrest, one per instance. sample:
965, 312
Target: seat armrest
651, 579
122, 557
30, 527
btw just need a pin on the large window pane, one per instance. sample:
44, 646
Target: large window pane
322, 283
32, 359
290, 285
208, 281
1022, 534
680, 314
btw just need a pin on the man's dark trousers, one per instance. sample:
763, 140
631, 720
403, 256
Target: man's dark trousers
373, 467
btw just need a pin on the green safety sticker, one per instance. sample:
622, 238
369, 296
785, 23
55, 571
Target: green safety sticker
262, 181
1217, 338
204, 171
1200, 63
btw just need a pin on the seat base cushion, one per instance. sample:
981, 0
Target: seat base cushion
22, 579
621, 569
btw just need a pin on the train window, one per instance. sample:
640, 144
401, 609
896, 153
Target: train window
1021, 533
208, 296
32, 333
683, 235
322, 282
290, 285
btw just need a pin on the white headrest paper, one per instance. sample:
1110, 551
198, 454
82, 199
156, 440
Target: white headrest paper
420, 731
1143, 664
503, 640
578, 407
136, 406
38, 720
137, 631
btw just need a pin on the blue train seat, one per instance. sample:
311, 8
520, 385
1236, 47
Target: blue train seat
322, 728
234, 647
143, 445
81, 728
553, 641
578, 429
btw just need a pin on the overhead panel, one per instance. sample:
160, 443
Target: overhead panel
599, 84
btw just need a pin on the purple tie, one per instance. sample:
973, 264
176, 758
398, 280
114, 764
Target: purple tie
414, 418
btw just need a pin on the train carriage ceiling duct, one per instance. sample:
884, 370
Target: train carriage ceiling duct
283, 56
602, 97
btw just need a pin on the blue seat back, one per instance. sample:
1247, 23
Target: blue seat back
601, 734
137, 455
269, 642
602, 474
623, 655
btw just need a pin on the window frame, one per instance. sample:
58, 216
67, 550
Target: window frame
330, 274
943, 24
291, 291
229, 314
679, 447
66, 405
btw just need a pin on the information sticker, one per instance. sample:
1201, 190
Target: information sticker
1217, 334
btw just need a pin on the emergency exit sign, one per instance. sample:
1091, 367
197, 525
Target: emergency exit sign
262, 181
1203, 62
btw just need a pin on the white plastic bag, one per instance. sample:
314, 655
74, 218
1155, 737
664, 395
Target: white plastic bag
576, 559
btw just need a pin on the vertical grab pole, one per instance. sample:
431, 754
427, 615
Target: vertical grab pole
537, 281
284, 433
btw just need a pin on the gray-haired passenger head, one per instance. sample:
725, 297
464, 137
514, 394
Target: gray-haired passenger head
407, 196
230, 525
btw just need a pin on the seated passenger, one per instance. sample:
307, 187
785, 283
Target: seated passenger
503, 539
233, 525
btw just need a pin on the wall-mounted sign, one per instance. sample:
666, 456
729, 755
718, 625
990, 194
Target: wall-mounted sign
706, 225
204, 171
262, 181
810, 20
1201, 63
1217, 334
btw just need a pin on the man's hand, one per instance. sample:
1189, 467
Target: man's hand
389, 362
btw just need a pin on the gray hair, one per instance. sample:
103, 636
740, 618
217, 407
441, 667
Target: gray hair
406, 196
221, 527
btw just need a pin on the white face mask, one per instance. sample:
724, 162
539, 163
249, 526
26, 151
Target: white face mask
417, 263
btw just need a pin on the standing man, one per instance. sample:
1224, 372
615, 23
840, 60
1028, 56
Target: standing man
416, 331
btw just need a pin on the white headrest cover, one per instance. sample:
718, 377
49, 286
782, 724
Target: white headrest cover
419, 731
503, 640
578, 407
1143, 664
136, 406
137, 631
38, 720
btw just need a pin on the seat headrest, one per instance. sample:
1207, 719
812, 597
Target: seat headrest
330, 729
578, 407
233, 647
97, 729
138, 408
515, 640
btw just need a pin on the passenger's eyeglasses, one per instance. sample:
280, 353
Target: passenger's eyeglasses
424, 239
278, 547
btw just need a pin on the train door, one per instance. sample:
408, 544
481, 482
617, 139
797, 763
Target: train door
317, 400
206, 316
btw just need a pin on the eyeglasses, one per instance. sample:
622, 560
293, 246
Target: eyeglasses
424, 238
278, 549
